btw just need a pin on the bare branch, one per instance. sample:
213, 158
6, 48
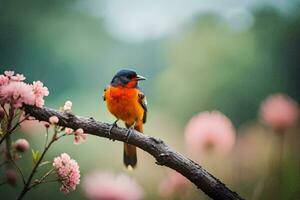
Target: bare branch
163, 154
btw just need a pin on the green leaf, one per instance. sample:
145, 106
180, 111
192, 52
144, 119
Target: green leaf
35, 155
4, 124
44, 163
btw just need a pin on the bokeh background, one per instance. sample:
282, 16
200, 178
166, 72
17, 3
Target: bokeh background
197, 56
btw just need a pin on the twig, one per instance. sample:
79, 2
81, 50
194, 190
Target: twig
7, 134
41, 180
3, 182
4, 110
163, 154
46, 139
27, 187
8, 128
17, 124
19, 170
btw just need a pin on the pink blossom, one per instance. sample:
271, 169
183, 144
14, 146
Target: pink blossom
105, 185
173, 183
18, 77
68, 172
79, 135
68, 131
21, 145
209, 132
279, 111
9, 73
3, 80
39, 91
11, 177
16, 93
53, 119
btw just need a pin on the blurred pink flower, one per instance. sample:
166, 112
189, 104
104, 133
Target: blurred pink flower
68, 172
53, 119
18, 77
105, 185
79, 135
174, 183
17, 93
3, 80
209, 132
21, 145
11, 177
40, 91
279, 111
9, 73
68, 131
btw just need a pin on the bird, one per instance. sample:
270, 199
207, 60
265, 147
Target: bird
125, 100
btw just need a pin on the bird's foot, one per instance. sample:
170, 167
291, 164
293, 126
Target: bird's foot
111, 127
129, 131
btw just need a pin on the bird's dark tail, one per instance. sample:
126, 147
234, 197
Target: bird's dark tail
129, 155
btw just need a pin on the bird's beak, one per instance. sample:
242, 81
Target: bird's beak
140, 78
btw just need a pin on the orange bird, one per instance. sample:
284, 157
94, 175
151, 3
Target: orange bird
127, 102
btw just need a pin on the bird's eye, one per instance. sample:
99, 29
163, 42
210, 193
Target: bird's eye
129, 76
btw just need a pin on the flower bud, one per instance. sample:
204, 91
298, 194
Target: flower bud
68, 106
11, 177
53, 120
21, 145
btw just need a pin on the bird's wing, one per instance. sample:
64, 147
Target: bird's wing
143, 102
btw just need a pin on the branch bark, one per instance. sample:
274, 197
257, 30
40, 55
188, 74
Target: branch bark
163, 154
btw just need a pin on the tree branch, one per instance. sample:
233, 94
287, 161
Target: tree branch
163, 154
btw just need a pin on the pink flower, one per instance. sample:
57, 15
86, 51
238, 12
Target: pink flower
68, 131
3, 80
173, 183
18, 77
105, 185
21, 145
9, 73
53, 119
11, 177
79, 135
68, 172
39, 91
279, 111
209, 132
16, 93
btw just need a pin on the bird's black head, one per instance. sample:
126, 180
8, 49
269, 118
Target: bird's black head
126, 78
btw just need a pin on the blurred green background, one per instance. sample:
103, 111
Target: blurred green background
197, 56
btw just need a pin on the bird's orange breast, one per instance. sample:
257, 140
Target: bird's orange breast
124, 104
